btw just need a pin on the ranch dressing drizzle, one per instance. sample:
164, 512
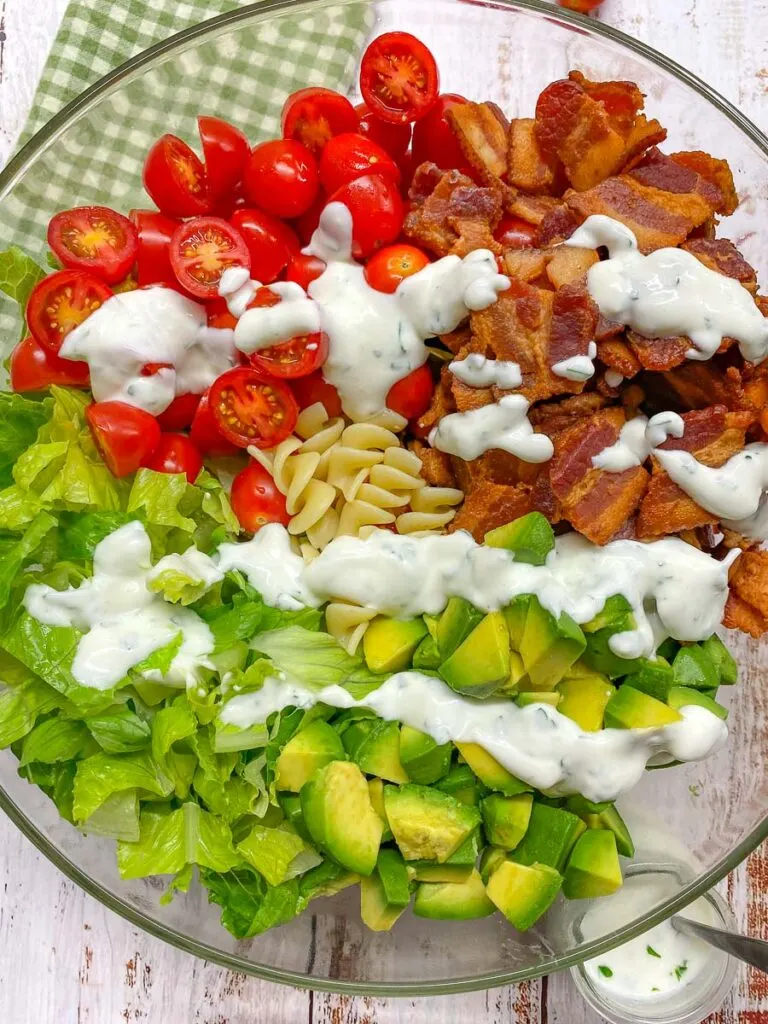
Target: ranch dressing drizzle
271, 566
669, 293
577, 367
476, 371
375, 339
732, 491
502, 425
535, 743
637, 439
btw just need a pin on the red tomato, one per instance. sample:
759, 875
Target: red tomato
306, 225
94, 238
125, 435
411, 395
180, 413
174, 179
398, 78
390, 266
222, 319
433, 137
377, 212
204, 433
201, 250
315, 388
584, 6
271, 243
313, 116
60, 302
303, 270
153, 262
298, 357
515, 233
225, 151
349, 156
175, 453
281, 178
250, 409
255, 499
34, 368
394, 138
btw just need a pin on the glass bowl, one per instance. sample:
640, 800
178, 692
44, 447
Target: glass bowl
699, 820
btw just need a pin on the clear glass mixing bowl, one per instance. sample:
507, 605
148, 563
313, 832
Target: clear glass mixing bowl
702, 819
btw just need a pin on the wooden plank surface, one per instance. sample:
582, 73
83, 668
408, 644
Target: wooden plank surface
66, 960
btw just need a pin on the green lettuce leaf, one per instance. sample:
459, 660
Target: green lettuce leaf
157, 496
12, 560
56, 739
117, 818
230, 624
100, 776
21, 706
316, 660
21, 418
56, 781
18, 276
168, 843
229, 800
80, 532
119, 730
174, 724
218, 767
182, 579
249, 904
273, 851
18, 507
180, 883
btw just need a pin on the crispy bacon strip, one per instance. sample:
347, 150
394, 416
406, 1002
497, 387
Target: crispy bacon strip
747, 607
482, 135
528, 168
441, 405
456, 217
715, 171
566, 265
435, 465
722, 256
552, 417
574, 318
490, 506
456, 340
557, 225
531, 208
525, 264
695, 385
616, 354
658, 354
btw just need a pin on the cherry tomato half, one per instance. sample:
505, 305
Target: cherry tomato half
313, 116
251, 409
180, 413
153, 261
411, 395
204, 433
387, 268
398, 77
271, 243
303, 270
125, 435
60, 302
175, 453
201, 250
394, 138
297, 357
377, 212
433, 137
349, 156
33, 367
281, 178
306, 224
225, 151
256, 500
515, 233
174, 179
315, 388
96, 239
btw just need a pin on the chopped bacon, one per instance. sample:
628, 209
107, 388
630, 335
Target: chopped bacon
441, 405
617, 354
658, 354
435, 465
552, 417
426, 178
622, 101
468, 398
457, 217
528, 168
568, 265
574, 318
559, 224
534, 209
607, 329
722, 256
717, 172
662, 172
644, 135
482, 135
747, 606
490, 506
525, 264
695, 385
456, 340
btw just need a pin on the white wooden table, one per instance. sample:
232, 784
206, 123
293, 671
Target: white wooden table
64, 959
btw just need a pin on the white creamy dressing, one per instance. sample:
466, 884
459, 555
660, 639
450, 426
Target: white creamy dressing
477, 371
733, 491
270, 565
577, 367
237, 288
669, 293
535, 743
123, 621
199, 568
613, 378
637, 439
375, 339
150, 325
504, 424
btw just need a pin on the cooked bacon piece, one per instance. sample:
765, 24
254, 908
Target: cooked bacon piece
644, 135
747, 607
622, 101
658, 354
607, 329
490, 506
568, 265
468, 398
617, 354
559, 224
722, 256
482, 135
695, 385
456, 340
425, 180
552, 417
715, 171
457, 217
544, 500
657, 170
534, 209
741, 615
574, 318
441, 405
525, 264
435, 465
762, 304
527, 166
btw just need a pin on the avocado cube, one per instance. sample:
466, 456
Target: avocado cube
723, 659
515, 614
530, 538
431, 621
431, 871
386, 893
376, 793
667, 649
424, 760
603, 816
522, 892
490, 859
594, 868
578, 670
388, 644
462, 783
427, 655
584, 700
492, 774
631, 709
551, 835
481, 664
549, 646
455, 624
694, 667
290, 804
391, 869
551, 697
453, 901
599, 656
683, 696
517, 679
340, 818
654, 678
374, 745
469, 850
427, 824
616, 615
506, 818
305, 752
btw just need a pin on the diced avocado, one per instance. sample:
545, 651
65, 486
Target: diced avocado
376, 793
492, 774
682, 696
722, 657
469, 850
530, 538
462, 783
375, 746
601, 658
453, 901
594, 868
388, 644
427, 655
694, 667
517, 679
340, 818
431, 871
505, 818
631, 709
424, 760
290, 804
431, 621
305, 752
515, 614
551, 697
386, 894
616, 615
522, 892
391, 869
579, 669
584, 700
667, 649
549, 646
491, 858
480, 665
427, 824
654, 678
603, 815
455, 624
551, 835
326, 879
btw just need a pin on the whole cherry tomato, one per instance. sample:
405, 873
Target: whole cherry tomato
271, 243
394, 138
125, 435
313, 116
398, 77
256, 500
351, 155
515, 233
281, 178
251, 409
33, 367
205, 434
315, 388
377, 212
175, 453
201, 250
303, 270
96, 239
411, 395
175, 180
433, 137
387, 268
225, 151
180, 413
306, 224
60, 302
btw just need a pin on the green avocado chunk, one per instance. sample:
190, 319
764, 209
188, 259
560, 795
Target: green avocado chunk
490, 859
424, 760
584, 699
462, 783
481, 664
615, 617
522, 892
653, 677
290, 804
549, 646
603, 815
515, 614
431, 871
453, 901
386, 893
455, 624
306, 751
492, 774
427, 655
388, 644
374, 745
694, 667
340, 818
427, 824
530, 538
594, 868
376, 793
506, 818
722, 657
552, 698
682, 696
551, 835
631, 709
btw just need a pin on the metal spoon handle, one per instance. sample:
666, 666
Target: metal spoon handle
751, 951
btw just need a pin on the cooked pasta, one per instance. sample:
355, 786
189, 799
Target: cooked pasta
432, 508
347, 623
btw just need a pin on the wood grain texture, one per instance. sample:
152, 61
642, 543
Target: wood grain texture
64, 959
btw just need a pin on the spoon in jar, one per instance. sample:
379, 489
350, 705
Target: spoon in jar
750, 951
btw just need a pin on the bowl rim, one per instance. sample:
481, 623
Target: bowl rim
259, 11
